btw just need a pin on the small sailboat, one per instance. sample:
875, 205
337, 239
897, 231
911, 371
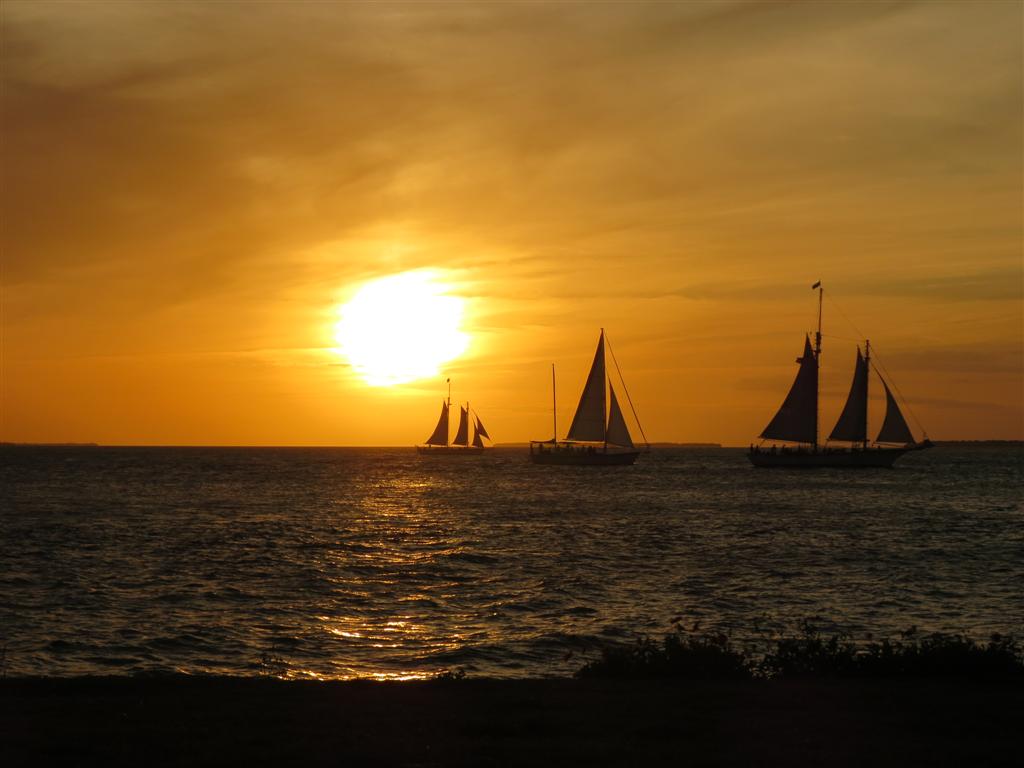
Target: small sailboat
598, 435
847, 445
438, 443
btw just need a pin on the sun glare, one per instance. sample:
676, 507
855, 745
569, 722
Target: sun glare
401, 328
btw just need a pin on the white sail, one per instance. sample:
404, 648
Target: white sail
440, 435
588, 423
618, 432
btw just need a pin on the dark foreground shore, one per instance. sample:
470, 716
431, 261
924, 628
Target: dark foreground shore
217, 721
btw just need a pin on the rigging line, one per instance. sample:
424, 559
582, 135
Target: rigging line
880, 364
834, 303
906, 402
626, 390
475, 415
841, 338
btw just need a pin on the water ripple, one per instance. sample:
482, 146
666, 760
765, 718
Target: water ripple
329, 563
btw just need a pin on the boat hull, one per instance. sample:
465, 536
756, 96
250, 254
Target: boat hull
448, 450
579, 456
871, 458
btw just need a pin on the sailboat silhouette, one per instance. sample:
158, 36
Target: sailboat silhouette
797, 420
438, 443
598, 435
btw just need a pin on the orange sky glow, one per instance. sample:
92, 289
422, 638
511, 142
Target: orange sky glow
191, 192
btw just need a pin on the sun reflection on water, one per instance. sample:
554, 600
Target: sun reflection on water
394, 634
376, 676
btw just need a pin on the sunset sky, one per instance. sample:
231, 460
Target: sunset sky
190, 191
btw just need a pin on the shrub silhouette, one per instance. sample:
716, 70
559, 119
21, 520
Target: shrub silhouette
692, 657
943, 655
810, 654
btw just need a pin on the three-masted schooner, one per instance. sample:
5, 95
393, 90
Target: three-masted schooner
438, 443
598, 435
797, 420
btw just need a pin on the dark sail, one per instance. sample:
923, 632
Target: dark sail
462, 436
588, 423
853, 421
797, 419
618, 432
440, 435
894, 428
480, 434
480, 429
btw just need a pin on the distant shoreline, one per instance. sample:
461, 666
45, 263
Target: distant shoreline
980, 443
4, 443
653, 445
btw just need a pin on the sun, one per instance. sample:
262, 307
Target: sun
401, 328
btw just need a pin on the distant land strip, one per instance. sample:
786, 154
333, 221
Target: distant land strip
653, 445
981, 443
54, 445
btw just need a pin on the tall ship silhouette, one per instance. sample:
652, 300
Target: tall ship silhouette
598, 435
796, 423
438, 443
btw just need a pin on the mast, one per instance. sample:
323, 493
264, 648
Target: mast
607, 382
867, 386
449, 380
554, 407
817, 359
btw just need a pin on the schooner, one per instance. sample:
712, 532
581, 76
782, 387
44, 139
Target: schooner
598, 435
797, 420
438, 443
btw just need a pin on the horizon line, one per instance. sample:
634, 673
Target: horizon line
508, 444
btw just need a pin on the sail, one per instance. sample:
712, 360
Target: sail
440, 435
462, 435
853, 421
480, 429
894, 428
588, 423
797, 419
618, 433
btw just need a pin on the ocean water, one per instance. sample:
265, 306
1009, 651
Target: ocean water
380, 563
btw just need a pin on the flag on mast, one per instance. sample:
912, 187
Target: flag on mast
816, 285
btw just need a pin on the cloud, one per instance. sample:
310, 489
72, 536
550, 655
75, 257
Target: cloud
277, 129
179, 176
982, 357
997, 284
